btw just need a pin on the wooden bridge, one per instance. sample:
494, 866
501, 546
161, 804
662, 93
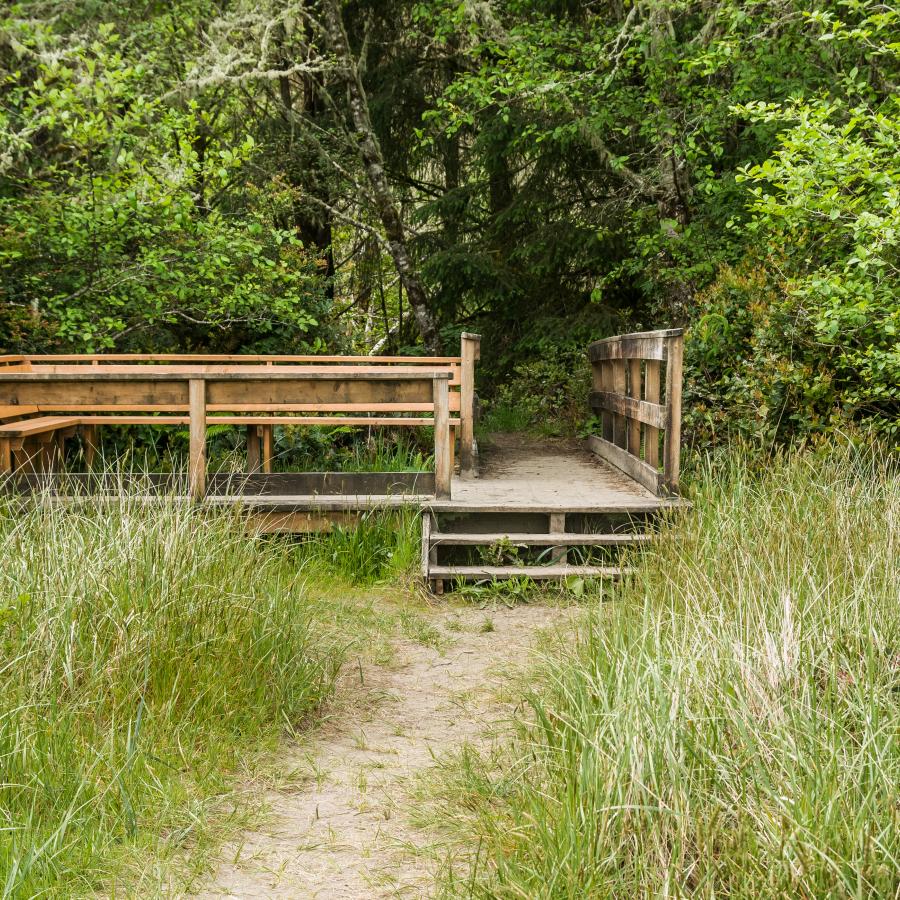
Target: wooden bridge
536, 509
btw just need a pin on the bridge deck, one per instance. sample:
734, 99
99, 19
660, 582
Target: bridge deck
519, 474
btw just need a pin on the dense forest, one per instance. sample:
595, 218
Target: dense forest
377, 175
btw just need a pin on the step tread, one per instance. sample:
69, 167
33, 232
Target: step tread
546, 539
529, 571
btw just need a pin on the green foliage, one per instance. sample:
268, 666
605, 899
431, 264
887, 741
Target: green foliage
805, 337
726, 727
124, 222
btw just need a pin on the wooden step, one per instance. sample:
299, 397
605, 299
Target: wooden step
561, 539
535, 572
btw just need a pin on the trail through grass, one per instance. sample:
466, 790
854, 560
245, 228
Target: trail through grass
729, 726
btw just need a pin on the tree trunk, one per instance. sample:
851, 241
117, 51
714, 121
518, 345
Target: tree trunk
373, 161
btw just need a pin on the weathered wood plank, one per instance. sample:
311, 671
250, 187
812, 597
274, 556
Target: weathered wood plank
530, 539
651, 395
94, 374
99, 372
267, 437
299, 522
425, 557
535, 572
223, 392
254, 449
235, 485
41, 425
637, 345
618, 389
470, 351
559, 555
637, 410
627, 347
56, 407
632, 466
634, 392
248, 358
324, 421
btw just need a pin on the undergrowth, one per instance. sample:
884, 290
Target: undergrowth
729, 725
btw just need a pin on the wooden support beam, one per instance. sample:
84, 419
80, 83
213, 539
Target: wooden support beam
253, 449
5, 456
634, 392
267, 435
651, 395
197, 453
470, 351
89, 444
559, 555
618, 382
443, 473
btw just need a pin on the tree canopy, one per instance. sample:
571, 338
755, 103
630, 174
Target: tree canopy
381, 174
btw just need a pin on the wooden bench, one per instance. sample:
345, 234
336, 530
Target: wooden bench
200, 391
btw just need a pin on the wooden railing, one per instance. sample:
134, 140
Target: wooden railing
200, 389
360, 406
638, 409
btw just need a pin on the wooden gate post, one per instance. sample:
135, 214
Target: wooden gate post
672, 440
442, 460
197, 453
268, 445
470, 351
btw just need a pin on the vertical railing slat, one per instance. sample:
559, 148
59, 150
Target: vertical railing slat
672, 444
442, 461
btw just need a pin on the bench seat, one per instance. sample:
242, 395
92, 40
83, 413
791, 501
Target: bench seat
41, 425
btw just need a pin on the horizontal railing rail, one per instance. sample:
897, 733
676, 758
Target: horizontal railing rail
638, 409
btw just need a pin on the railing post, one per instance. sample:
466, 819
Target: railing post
197, 453
470, 351
268, 448
442, 472
672, 440
253, 449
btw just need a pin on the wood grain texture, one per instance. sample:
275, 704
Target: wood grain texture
443, 461
636, 410
197, 452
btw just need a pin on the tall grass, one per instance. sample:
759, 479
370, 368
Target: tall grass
143, 648
730, 726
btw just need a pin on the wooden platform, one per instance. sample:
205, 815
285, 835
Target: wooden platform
519, 475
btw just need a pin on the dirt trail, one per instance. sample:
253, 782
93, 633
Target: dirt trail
348, 834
